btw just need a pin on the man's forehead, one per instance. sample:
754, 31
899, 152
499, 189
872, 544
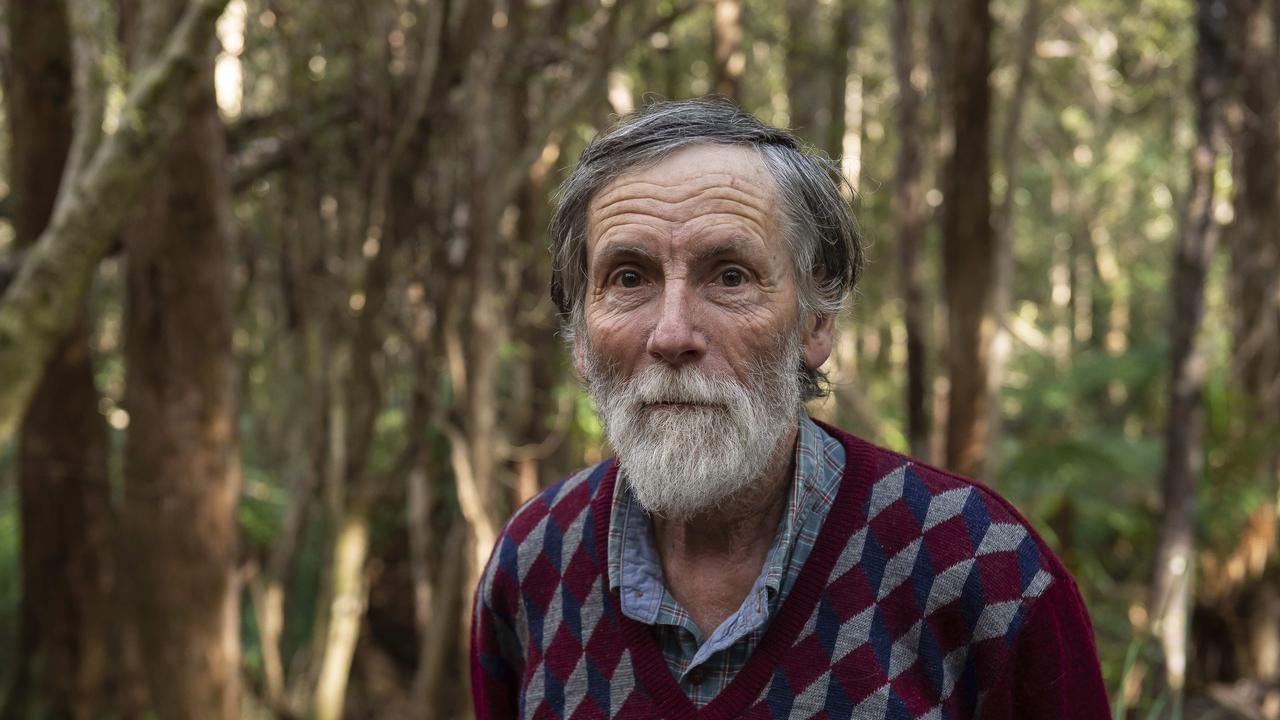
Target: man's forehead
703, 163
690, 182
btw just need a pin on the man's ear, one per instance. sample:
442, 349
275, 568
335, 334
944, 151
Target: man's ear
815, 342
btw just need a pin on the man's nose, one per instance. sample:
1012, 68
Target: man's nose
676, 339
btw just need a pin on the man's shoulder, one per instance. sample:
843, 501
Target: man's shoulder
547, 531
561, 503
937, 566
955, 518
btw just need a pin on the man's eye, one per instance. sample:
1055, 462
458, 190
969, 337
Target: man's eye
733, 278
628, 279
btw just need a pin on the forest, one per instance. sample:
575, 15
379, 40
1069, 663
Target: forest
277, 355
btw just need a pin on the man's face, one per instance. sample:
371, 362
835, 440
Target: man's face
693, 335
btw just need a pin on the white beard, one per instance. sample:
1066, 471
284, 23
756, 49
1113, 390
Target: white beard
681, 460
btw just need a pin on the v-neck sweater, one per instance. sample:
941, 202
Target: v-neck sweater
926, 595
704, 665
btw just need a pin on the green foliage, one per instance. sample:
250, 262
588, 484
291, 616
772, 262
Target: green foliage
1236, 453
10, 567
260, 506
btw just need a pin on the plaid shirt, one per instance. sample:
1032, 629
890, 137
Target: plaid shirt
703, 666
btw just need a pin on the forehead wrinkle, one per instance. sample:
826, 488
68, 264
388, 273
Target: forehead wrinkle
715, 195
644, 210
749, 227
756, 186
684, 193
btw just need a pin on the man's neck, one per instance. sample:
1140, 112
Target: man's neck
711, 560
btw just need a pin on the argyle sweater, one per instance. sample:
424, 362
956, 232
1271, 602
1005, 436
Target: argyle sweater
926, 596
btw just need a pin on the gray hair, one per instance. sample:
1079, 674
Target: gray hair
817, 221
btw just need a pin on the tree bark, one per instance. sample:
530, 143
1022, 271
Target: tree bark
62, 450
909, 219
181, 461
805, 66
43, 300
1255, 234
1003, 289
477, 481
1253, 240
1171, 586
968, 261
350, 596
726, 35
844, 94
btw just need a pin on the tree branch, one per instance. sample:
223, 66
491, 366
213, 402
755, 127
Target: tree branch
425, 79
91, 208
256, 159
592, 70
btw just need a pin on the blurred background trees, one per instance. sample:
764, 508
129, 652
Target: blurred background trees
277, 357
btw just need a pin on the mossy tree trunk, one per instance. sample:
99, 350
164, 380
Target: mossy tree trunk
43, 299
62, 447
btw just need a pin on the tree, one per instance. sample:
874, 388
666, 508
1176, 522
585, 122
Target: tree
968, 247
43, 299
1255, 234
727, 47
805, 61
1002, 231
909, 219
181, 458
1171, 586
62, 448
1253, 240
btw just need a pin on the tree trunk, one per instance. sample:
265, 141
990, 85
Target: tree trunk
181, 468
1171, 591
477, 329
62, 451
1254, 244
1255, 234
43, 300
844, 94
1003, 290
804, 66
968, 244
941, 127
349, 596
909, 218
726, 35
449, 595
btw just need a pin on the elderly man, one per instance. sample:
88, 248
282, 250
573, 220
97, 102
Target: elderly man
738, 559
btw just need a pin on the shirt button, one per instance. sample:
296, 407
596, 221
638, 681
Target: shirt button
696, 676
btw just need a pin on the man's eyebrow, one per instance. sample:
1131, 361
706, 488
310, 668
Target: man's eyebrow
614, 251
735, 245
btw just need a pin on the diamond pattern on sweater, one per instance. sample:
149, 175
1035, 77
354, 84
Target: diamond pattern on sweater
908, 554
815, 693
1002, 537
850, 556
945, 506
898, 569
1037, 585
886, 492
931, 579
623, 686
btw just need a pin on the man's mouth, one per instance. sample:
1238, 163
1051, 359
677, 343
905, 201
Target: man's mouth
680, 405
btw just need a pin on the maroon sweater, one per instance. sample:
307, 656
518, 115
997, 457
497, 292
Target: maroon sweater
926, 596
